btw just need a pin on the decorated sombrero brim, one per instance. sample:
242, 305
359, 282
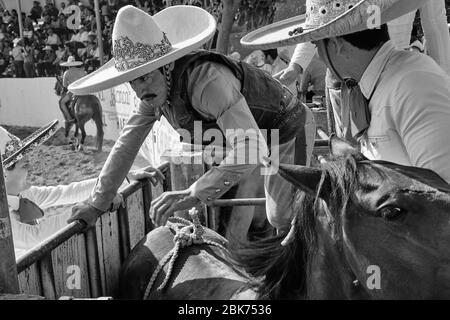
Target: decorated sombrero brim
15, 149
185, 29
357, 16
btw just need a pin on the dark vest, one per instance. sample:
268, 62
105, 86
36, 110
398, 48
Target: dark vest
271, 104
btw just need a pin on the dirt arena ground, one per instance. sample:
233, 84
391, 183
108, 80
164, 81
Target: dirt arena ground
56, 162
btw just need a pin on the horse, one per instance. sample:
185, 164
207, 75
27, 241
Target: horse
86, 107
363, 230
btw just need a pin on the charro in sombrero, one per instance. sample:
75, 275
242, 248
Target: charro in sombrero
71, 62
329, 18
13, 149
163, 38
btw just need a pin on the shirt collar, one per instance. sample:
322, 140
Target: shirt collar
373, 72
13, 202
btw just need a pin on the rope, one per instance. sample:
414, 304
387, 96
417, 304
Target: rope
187, 233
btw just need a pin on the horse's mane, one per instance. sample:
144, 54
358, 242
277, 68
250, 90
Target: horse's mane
280, 271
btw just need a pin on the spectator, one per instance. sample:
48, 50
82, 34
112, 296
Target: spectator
6, 17
18, 56
3, 63
104, 8
37, 212
51, 10
28, 23
62, 54
36, 11
313, 80
92, 56
45, 65
52, 38
28, 64
62, 8
62, 25
84, 34
3, 32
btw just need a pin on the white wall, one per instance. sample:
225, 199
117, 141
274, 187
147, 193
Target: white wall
33, 102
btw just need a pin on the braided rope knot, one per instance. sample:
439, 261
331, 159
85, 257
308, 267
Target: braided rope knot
190, 234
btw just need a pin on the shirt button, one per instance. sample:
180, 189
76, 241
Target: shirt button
217, 190
227, 183
209, 198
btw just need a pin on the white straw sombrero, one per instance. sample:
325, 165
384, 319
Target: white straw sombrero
71, 62
143, 43
329, 18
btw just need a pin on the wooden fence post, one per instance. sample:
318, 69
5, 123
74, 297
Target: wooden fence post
9, 282
186, 167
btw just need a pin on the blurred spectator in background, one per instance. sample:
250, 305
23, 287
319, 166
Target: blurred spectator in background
18, 56
52, 38
62, 8
28, 33
6, 17
3, 64
27, 22
416, 43
313, 80
62, 54
28, 62
45, 65
2, 32
104, 8
36, 11
258, 60
50, 9
92, 55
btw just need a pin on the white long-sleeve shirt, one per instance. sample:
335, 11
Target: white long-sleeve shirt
56, 202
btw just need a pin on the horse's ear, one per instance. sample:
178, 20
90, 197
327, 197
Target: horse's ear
340, 147
306, 179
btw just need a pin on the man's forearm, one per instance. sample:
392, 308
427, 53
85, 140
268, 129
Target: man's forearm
120, 160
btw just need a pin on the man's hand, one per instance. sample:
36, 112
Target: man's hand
166, 204
153, 174
289, 75
85, 212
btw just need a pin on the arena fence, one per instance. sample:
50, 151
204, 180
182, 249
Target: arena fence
87, 265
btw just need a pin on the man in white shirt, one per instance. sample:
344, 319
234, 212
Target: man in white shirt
37, 212
399, 101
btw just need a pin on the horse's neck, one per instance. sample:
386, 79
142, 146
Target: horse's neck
329, 276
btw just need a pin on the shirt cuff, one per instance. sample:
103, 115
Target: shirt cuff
214, 184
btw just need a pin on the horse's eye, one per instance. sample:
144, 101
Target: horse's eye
391, 213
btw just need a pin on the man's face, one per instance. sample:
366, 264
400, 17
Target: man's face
151, 88
16, 179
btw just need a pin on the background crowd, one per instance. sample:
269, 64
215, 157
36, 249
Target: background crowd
47, 41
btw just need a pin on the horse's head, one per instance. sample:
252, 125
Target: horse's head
384, 231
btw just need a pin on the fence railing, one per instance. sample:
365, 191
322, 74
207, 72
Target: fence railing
87, 265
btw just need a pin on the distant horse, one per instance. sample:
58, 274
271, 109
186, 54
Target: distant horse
364, 230
86, 108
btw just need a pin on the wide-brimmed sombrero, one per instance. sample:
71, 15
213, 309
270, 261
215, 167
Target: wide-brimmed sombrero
71, 62
13, 149
144, 43
329, 18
